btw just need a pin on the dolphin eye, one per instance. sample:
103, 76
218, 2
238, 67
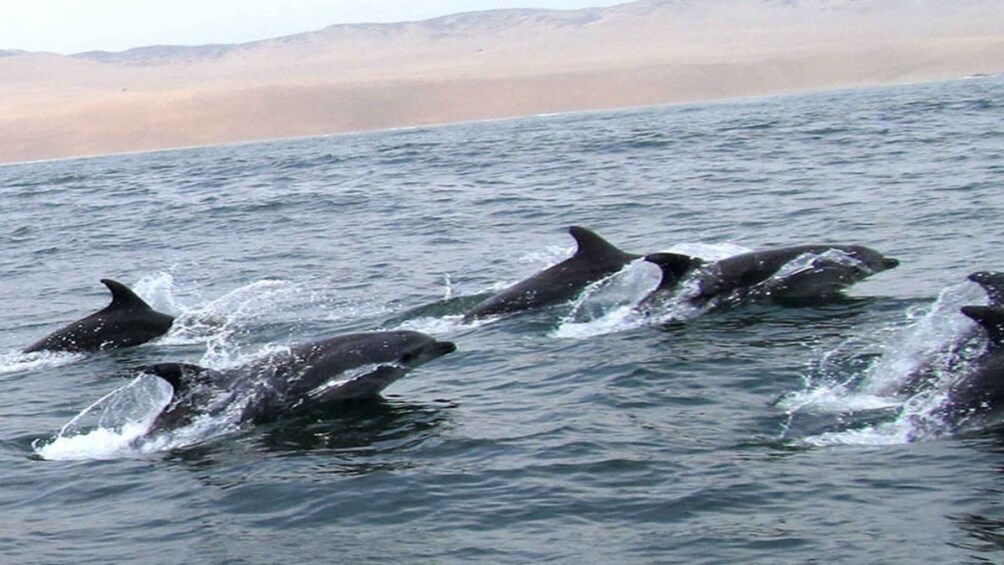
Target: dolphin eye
409, 357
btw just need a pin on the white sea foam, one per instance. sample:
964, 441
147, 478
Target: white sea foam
443, 325
890, 433
158, 290
20, 362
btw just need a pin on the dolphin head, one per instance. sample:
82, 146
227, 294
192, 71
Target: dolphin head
818, 271
356, 366
401, 348
872, 260
419, 349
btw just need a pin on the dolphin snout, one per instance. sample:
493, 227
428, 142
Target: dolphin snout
443, 347
889, 263
427, 352
983, 277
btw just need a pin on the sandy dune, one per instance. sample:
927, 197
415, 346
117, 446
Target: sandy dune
481, 65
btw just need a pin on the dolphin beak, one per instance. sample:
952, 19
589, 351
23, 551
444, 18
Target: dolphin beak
889, 263
441, 348
984, 277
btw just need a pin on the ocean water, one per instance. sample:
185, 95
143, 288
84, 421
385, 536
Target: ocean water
583, 433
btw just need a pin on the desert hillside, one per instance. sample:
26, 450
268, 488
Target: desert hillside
481, 65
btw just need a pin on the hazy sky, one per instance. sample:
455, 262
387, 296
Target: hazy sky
71, 26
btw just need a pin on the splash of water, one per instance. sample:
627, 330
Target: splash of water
930, 339
447, 286
612, 305
441, 325
608, 306
112, 426
158, 290
916, 368
19, 362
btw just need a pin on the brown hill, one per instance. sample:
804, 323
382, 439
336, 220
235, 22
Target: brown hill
481, 65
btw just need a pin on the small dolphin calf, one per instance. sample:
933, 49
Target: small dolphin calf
349, 367
127, 321
776, 273
594, 259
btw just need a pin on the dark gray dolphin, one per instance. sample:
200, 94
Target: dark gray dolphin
127, 321
980, 391
594, 259
954, 357
992, 283
828, 269
675, 268
348, 367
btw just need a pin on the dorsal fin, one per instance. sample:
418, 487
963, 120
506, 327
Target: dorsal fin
123, 298
992, 283
991, 319
179, 375
674, 267
595, 247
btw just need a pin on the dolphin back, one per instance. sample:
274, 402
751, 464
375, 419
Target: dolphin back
594, 259
977, 399
127, 321
991, 319
123, 298
590, 246
193, 388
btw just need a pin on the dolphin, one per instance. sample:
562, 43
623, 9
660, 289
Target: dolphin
348, 367
126, 322
594, 259
799, 272
954, 357
980, 390
992, 283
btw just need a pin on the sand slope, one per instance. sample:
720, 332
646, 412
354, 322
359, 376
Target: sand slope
481, 65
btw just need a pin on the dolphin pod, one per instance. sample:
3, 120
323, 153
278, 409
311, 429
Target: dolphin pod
360, 366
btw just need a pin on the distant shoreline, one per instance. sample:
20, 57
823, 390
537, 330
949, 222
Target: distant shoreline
724, 100
480, 66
